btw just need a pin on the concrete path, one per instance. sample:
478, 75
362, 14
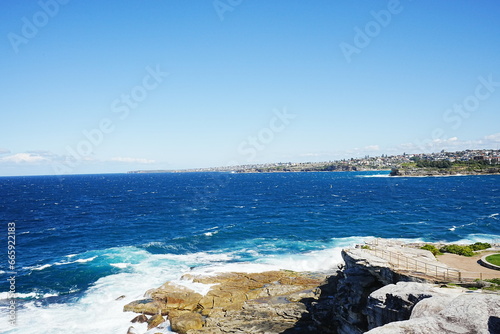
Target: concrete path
468, 264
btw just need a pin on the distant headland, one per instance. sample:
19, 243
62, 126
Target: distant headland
467, 162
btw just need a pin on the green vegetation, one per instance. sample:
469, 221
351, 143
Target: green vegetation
365, 247
480, 246
495, 284
446, 166
408, 165
431, 248
465, 250
434, 164
494, 259
457, 249
494, 281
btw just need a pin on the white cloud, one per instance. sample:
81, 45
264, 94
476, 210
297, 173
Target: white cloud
494, 138
372, 148
24, 158
310, 154
451, 144
132, 160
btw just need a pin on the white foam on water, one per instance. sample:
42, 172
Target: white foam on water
79, 261
479, 237
31, 295
200, 288
323, 260
40, 267
99, 311
47, 265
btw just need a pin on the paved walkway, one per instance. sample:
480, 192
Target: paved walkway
468, 264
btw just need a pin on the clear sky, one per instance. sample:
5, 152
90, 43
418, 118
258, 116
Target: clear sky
112, 86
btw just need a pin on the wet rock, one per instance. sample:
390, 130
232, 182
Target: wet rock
146, 306
132, 330
155, 320
140, 319
269, 302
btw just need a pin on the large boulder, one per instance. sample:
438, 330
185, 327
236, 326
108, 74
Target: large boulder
146, 306
468, 313
155, 320
395, 302
185, 322
140, 319
175, 296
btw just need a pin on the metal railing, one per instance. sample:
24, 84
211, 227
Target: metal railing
402, 263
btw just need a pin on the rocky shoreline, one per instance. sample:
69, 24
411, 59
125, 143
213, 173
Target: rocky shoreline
406, 172
366, 295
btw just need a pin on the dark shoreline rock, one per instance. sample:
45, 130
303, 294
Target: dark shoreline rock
427, 171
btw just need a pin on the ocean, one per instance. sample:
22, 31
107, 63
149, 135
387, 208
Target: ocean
83, 241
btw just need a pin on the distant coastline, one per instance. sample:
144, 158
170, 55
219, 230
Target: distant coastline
467, 162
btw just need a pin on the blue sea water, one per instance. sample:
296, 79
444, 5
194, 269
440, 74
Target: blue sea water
84, 240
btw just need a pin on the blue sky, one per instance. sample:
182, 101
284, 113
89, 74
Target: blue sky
91, 87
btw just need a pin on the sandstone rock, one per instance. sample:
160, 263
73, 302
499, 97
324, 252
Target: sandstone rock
395, 302
140, 319
155, 320
176, 297
431, 306
303, 294
185, 322
146, 306
467, 313
269, 302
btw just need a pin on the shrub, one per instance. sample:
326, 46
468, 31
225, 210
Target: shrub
431, 248
494, 281
365, 247
458, 249
480, 246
